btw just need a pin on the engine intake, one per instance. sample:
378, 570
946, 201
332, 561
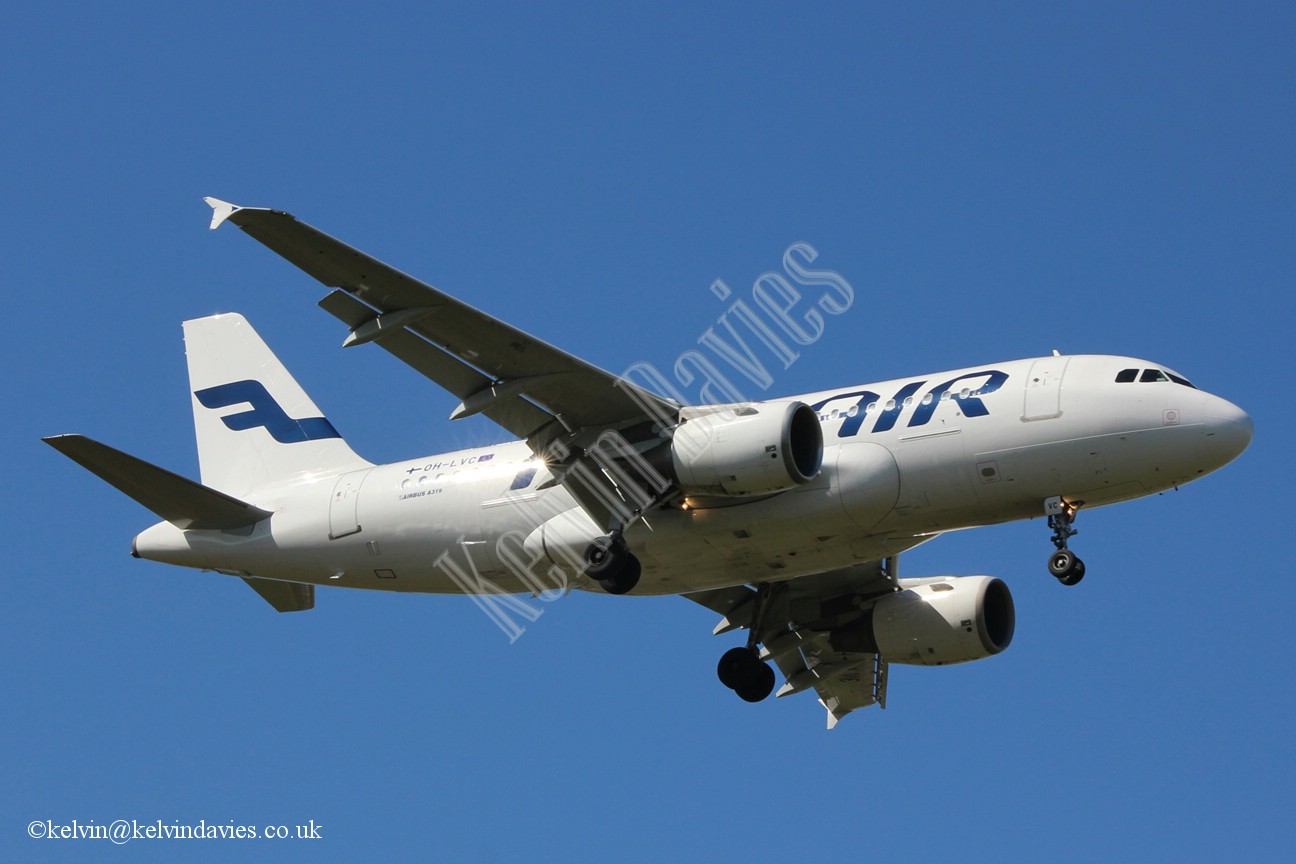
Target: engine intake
749, 449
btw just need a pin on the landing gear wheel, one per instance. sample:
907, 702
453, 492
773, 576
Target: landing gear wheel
611, 564
1062, 562
1076, 575
625, 580
1066, 567
759, 686
729, 670
742, 671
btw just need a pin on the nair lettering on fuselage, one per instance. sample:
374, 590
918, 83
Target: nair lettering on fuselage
968, 399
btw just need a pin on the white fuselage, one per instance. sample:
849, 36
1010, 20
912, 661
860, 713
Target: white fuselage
903, 460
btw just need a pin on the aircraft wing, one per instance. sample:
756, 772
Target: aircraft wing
534, 390
794, 633
487, 360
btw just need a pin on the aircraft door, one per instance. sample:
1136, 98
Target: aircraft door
1044, 389
868, 482
344, 508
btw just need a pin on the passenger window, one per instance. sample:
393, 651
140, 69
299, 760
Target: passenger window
1125, 376
1152, 375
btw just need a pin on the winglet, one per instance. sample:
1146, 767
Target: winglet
221, 210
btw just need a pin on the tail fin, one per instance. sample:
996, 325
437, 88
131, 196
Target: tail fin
255, 425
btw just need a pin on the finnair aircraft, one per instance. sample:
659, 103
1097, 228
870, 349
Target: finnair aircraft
786, 517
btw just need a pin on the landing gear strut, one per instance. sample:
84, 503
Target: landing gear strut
741, 669
1063, 564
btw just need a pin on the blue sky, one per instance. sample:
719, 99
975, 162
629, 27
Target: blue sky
995, 180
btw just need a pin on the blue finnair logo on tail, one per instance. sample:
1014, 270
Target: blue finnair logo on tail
265, 412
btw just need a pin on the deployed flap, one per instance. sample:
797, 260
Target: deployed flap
283, 596
845, 681
517, 415
178, 500
795, 633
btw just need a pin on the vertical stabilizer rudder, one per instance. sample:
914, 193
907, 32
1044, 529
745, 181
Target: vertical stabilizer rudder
254, 423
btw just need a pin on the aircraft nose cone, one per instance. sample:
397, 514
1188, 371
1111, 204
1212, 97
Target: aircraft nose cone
1231, 429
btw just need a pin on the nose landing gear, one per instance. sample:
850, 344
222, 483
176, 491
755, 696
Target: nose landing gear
1063, 564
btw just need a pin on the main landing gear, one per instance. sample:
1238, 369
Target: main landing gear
1063, 564
609, 562
741, 669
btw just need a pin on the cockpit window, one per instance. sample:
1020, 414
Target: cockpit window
1125, 376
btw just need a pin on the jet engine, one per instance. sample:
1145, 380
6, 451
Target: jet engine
748, 449
934, 622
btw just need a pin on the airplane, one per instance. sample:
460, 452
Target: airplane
786, 517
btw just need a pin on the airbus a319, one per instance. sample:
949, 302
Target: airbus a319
786, 517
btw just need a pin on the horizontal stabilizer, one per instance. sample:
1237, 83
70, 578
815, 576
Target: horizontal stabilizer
283, 596
178, 500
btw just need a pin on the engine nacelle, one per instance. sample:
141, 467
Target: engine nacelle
934, 622
749, 449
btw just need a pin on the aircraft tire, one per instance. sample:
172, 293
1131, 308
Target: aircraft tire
606, 558
731, 666
625, 579
758, 682
1077, 573
742, 671
1062, 562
